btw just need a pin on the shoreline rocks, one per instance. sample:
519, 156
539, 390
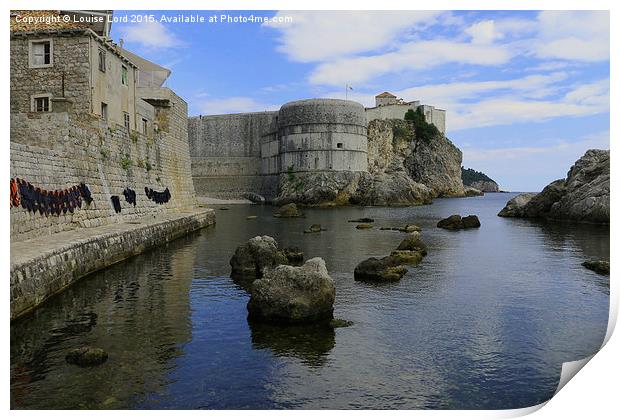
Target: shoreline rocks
598, 266
287, 294
582, 197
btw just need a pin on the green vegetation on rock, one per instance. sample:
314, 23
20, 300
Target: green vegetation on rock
423, 130
469, 176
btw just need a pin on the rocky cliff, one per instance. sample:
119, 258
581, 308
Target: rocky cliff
478, 180
583, 196
403, 169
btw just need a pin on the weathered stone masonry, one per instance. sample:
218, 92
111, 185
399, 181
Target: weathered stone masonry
141, 141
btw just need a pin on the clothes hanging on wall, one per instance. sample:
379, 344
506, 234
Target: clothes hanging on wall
157, 196
35, 199
130, 196
14, 194
116, 203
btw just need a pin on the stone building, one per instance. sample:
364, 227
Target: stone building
388, 106
79, 114
241, 153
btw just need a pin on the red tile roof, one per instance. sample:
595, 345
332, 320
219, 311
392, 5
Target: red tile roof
385, 95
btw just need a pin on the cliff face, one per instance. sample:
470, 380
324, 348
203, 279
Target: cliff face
402, 170
583, 196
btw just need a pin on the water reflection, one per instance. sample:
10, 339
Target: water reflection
485, 321
137, 311
309, 343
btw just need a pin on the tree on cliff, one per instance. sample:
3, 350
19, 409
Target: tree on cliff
423, 129
469, 176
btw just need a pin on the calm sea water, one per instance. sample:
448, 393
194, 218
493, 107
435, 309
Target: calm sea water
485, 321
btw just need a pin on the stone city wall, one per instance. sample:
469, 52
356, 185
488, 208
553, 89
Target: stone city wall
225, 154
56, 151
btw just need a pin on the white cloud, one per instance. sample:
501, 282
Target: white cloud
483, 32
412, 56
232, 105
319, 36
150, 35
573, 35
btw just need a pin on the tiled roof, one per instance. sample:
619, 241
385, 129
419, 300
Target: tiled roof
47, 20
385, 95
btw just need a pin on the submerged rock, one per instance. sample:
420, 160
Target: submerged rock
598, 266
293, 294
288, 210
364, 226
252, 258
386, 269
86, 356
251, 217
315, 228
362, 220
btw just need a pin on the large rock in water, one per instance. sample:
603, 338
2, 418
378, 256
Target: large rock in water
293, 294
252, 258
583, 196
456, 222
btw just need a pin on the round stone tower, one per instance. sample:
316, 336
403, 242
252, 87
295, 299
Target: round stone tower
322, 135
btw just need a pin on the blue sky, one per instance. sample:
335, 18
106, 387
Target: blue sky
526, 93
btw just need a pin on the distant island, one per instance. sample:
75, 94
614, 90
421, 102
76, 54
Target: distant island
478, 180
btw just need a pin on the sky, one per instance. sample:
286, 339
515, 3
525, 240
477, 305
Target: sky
526, 92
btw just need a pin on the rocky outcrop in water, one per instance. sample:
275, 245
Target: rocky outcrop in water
472, 192
599, 267
582, 197
456, 222
380, 270
402, 170
293, 294
251, 259
288, 210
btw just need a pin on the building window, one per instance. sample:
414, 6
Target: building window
41, 103
126, 120
102, 60
339, 145
124, 75
145, 125
40, 53
104, 111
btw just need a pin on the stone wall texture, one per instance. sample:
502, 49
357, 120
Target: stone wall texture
57, 150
